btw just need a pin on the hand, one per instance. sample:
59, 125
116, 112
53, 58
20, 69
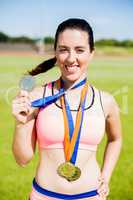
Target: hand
21, 107
103, 189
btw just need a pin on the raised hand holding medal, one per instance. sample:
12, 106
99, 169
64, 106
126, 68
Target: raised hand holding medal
26, 84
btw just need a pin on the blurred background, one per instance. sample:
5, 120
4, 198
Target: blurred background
27, 30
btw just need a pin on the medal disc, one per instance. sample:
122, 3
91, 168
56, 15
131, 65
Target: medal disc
76, 175
27, 83
69, 171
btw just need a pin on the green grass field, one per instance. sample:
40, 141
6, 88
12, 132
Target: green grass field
114, 75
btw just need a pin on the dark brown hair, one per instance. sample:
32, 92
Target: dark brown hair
72, 23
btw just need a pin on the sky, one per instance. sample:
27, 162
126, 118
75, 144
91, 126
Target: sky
40, 18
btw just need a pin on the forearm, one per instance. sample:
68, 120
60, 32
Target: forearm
111, 155
22, 142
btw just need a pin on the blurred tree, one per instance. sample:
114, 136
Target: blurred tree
48, 40
3, 37
127, 43
113, 42
107, 42
22, 39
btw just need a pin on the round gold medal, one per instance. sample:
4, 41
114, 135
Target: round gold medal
69, 171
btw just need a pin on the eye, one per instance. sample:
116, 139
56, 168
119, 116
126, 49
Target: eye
63, 50
80, 50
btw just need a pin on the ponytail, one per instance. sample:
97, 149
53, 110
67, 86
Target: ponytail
43, 67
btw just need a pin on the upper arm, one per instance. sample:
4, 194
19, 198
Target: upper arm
30, 130
24, 140
31, 125
113, 122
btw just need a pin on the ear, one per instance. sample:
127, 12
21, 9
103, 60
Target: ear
56, 57
91, 55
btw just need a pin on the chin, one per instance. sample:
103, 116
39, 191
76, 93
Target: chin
72, 78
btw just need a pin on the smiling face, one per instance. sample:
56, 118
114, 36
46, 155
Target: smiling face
73, 54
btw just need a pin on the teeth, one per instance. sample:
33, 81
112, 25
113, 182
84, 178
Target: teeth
71, 68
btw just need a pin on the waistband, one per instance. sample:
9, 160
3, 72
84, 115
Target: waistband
49, 193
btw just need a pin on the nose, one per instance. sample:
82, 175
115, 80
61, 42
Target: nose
71, 57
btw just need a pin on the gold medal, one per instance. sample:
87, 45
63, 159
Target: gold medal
69, 171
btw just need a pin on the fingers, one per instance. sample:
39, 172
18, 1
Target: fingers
23, 93
103, 189
22, 100
21, 105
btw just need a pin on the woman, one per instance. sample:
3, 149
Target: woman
69, 128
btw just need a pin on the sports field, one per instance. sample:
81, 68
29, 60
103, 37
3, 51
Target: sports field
113, 74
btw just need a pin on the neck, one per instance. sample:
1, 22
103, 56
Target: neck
68, 83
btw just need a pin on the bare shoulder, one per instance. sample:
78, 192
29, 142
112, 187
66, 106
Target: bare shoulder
112, 112
110, 105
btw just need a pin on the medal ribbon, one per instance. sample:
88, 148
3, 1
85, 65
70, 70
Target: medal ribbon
42, 102
72, 135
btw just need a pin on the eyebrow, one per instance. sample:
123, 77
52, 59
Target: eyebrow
62, 46
77, 47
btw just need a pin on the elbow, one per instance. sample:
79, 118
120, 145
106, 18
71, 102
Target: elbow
22, 158
117, 140
24, 161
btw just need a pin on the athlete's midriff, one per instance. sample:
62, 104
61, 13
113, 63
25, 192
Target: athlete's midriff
47, 177
50, 137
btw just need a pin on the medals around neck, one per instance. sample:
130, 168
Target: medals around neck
68, 170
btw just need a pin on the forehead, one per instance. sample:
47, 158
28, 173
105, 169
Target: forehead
73, 37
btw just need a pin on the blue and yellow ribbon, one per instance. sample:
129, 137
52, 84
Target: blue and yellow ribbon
72, 135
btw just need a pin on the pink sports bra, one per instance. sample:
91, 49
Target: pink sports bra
50, 123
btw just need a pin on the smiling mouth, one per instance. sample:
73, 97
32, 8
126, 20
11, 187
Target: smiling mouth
71, 68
